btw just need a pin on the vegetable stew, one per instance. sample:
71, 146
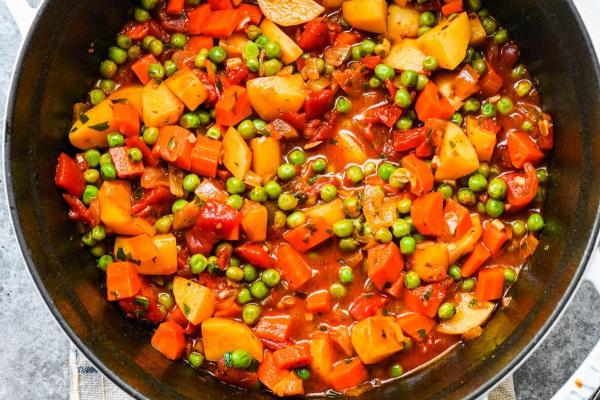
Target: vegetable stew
309, 197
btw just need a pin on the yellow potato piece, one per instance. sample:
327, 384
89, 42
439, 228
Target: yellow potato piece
266, 156
448, 41
114, 199
220, 335
457, 155
269, 96
290, 12
197, 302
132, 95
406, 55
332, 3
188, 88
90, 130
478, 34
160, 106
482, 139
366, 15
376, 338
237, 156
350, 148
470, 314
403, 22
290, 51
430, 261
331, 212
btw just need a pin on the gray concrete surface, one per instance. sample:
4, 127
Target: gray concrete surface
34, 350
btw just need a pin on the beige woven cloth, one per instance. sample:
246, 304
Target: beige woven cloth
87, 383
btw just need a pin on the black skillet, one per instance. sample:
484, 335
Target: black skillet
55, 70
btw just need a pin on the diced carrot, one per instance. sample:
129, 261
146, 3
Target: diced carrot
457, 221
425, 299
221, 24
197, 19
169, 340
126, 119
384, 264
250, 14
309, 235
197, 43
321, 350
452, 7
475, 260
431, 105
420, 175
495, 234
281, 382
347, 374
254, 221
228, 308
125, 166
319, 301
205, 156
397, 288
291, 385
294, 269
220, 4
187, 87
148, 158
122, 280
69, 176
141, 67
294, 356
173, 146
276, 328
491, 82
416, 326
522, 149
176, 315
427, 213
490, 284
175, 7
233, 106
340, 335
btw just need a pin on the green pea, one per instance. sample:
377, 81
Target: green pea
396, 371
200, 59
217, 54
234, 273
468, 285
383, 235
446, 190
259, 290
271, 277
150, 136
354, 174
446, 310
343, 105
235, 185
189, 121
489, 25
115, 139
261, 40
271, 67
356, 53
92, 157
374, 83
196, 359
108, 69
198, 263
258, 194
204, 117
253, 64
241, 359
133, 52
367, 47
422, 81
163, 224
409, 77
296, 219
146, 41
427, 18
165, 299
117, 55
404, 123
474, 5
348, 244
535, 222
402, 98
279, 219
455, 272
250, 273
400, 228
236, 201
488, 110
253, 32
338, 291
494, 208
328, 192
319, 165
456, 118
91, 175
107, 86
351, 207
178, 40
477, 182
88, 240
156, 47
343, 228
385, 170
156, 71
497, 189
527, 126
286, 172
369, 168
272, 49
96, 96
247, 129
98, 233
135, 154
251, 51
518, 71
524, 88
423, 30
408, 245
141, 15
480, 66
430, 63
104, 261
191, 182
471, 105
244, 296
273, 190
98, 250
466, 197
123, 41
178, 205
213, 132
501, 36
519, 228
404, 206
108, 171
384, 71
297, 157
510, 276
505, 105
251, 314
412, 280
303, 373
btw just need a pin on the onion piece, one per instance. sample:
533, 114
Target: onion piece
336, 55
153, 177
290, 12
176, 181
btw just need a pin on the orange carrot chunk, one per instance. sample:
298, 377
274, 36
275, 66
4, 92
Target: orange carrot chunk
294, 269
126, 119
495, 234
122, 280
490, 284
384, 264
294, 356
348, 374
319, 301
427, 213
475, 260
221, 23
309, 235
141, 67
276, 328
417, 326
197, 18
205, 156
233, 106
169, 340
522, 149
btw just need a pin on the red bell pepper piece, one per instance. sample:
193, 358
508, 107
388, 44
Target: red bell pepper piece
77, 210
366, 306
256, 255
68, 176
420, 175
136, 30
148, 157
220, 4
409, 139
371, 61
522, 149
125, 166
314, 36
218, 218
455, 6
197, 43
250, 14
318, 103
387, 114
521, 188
431, 105
495, 234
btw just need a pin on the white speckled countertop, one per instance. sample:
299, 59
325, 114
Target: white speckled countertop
34, 350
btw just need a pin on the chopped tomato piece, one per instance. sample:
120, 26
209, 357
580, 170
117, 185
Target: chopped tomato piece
367, 305
425, 299
256, 255
522, 149
125, 166
68, 176
521, 188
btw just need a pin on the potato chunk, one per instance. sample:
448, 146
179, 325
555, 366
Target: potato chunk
269, 96
220, 335
457, 155
367, 15
448, 41
376, 338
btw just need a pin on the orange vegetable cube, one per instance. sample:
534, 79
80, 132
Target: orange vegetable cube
169, 340
384, 264
122, 280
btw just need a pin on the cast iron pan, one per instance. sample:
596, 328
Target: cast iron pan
55, 70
